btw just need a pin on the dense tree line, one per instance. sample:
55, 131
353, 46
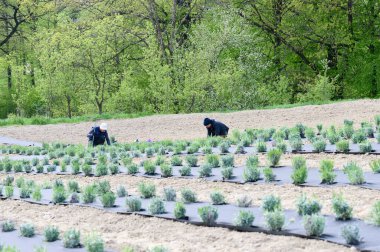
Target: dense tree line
67, 57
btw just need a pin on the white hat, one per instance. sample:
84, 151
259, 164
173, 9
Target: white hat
103, 126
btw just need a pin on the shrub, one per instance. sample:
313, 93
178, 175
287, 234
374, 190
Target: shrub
359, 137
212, 160
332, 136
227, 172
37, 195
121, 192
205, 171
114, 169
244, 219
319, 145
314, 225
191, 160
244, 201
179, 210
87, 169
217, 198
251, 174
185, 171
193, 148
149, 167
269, 176
326, 170
271, 203
7, 226
319, 128
296, 144
341, 208
310, 134
188, 196
35, 161
282, 146
51, 168
8, 191
274, 156
375, 166
307, 206
354, 173
208, 214
20, 182
156, 206
365, 147
252, 161
176, 161
133, 204
375, 213
275, 220
74, 198
73, 186
94, 243
147, 190
8, 181
59, 194
39, 169
228, 161
132, 169
108, 199
348, 131
343, 146
25, 192
166, 170
101, 170
261, 146
71, 239
27, 230
158, 249
169, 194
240, 149
223, 147
149, 152
351, 234
159, 160
89, 194
51, 234
299, 173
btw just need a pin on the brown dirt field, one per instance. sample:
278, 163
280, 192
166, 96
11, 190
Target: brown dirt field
141, 233
189, 126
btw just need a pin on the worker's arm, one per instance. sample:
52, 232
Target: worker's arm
108, 139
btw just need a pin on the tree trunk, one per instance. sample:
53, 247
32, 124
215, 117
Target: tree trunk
9, 76
68, 99
350, 17
277, 7
372, 49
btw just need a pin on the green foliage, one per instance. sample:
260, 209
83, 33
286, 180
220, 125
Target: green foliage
89, 194
375, 166
51, 234
343, 146
271, 203
205, 170
27, 230
244, 219
185, 170
149, 167
121, 191
354, 173
108, 199
156, 206
132, 169
7, 226
319, 145
101, 170
274, 220
166, 170
208, 215
365, 147
169, 194
227, 172
8, 191
261, 146
314, 224
179, 210
351, 234
94, 243
342, 210
147, 190
244, 201
269, 176
71, 238
188, 196
59, 194
217, 198
274, 156
36, 194
212, 160
375, 214
296, 144
326, 169
176, 161
223, 147
133, 204
307, 206
191, 160
227, 161
251, 174
158, 249
299, 173
359, 137
252, 161
73, 186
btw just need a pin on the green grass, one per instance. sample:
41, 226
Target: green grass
39, 120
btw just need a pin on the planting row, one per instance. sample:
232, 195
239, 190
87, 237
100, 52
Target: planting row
270, 217
215, 168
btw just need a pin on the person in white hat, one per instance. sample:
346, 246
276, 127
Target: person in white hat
99, 135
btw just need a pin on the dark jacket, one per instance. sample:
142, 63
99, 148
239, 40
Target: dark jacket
217, 129
98, 137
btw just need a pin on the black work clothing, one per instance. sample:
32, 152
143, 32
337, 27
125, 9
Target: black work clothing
99, 137
217, 129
